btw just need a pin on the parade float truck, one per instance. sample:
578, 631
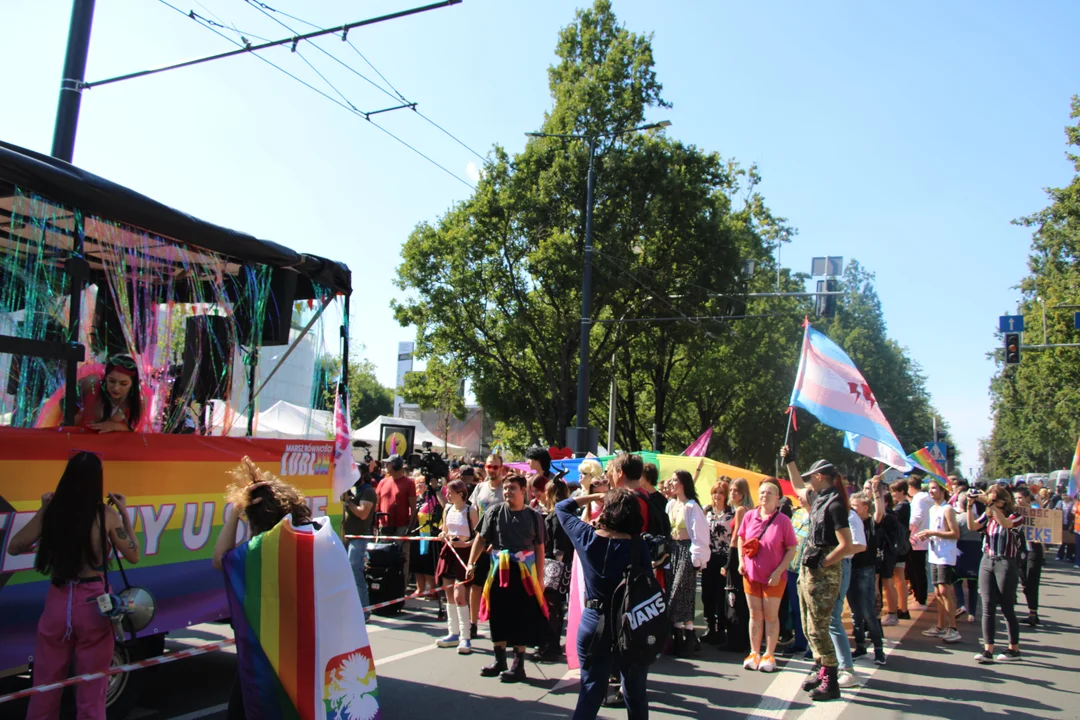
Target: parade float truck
90, 270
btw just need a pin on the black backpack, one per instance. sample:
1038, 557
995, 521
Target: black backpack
638, 612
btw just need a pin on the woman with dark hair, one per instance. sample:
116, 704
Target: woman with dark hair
112, 403
72, 533
423, 554
513, 597
821, 575
604, 552
999, 574
1032, 560
458, 528
690, 533
558, 563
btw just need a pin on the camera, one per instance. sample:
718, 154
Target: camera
430, 463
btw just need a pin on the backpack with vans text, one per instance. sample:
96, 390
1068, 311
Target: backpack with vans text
638, 611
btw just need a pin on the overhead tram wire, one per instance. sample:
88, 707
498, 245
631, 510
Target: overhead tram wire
311, 87
396, 95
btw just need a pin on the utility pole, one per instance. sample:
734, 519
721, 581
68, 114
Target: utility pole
581, 446
71, 84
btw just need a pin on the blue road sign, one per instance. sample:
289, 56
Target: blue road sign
1011, 323
938, 452
1076, 321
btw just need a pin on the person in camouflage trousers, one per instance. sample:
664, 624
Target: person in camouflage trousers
818, 590
820, 577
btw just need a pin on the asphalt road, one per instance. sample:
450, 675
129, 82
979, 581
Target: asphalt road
923, 678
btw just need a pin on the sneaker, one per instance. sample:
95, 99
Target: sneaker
1009, 655
890, 620
846, 679
971, 618
464, 647
903, 615
879, 656
934, 632
985, 658
858, 652
768, 664
951, 636
447, 641
473, 632
960, 611
1033, 619
751, 662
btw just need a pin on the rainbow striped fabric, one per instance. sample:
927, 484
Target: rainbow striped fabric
302, 646
921, 458
500, 568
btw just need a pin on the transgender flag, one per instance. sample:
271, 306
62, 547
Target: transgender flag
831, 388
345, 471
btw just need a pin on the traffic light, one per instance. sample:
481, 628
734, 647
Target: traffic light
825, 305
1012, 348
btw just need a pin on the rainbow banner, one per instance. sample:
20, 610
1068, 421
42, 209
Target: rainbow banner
921, 458
175, 487
301, 640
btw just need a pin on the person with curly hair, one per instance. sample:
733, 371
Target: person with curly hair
262, 500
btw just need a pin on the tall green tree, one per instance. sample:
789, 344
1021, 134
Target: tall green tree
1034, 403
495, 283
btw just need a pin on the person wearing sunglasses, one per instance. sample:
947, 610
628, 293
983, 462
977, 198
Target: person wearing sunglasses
593, 481
112, 402
484, 495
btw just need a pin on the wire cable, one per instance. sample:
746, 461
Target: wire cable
325, 95
396, 95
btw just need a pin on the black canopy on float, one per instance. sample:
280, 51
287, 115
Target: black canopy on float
72, 187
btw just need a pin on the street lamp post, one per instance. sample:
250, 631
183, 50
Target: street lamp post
581, 441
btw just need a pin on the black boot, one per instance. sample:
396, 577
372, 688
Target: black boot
814, 678
516, 673
682, 648
472, 631
496, 667
829, 689
693, 641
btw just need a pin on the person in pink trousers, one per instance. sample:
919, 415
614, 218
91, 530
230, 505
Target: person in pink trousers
69, 533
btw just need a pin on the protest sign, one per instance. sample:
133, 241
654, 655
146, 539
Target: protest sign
1042, 525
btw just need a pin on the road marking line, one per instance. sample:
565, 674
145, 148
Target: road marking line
202, 713
407, 654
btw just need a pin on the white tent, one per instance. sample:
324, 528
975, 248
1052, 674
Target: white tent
370, 434
226, 421
285, 420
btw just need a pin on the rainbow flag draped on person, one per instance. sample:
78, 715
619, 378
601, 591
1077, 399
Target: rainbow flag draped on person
921, 458
302, 645
830, 387
500, 573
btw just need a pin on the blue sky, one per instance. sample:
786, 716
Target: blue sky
906, 136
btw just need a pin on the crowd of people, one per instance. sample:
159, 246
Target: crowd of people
501, 545
776, 572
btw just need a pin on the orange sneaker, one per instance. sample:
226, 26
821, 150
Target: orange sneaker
767, 664
751, 661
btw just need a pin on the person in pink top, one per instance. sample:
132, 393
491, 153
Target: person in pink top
767, 544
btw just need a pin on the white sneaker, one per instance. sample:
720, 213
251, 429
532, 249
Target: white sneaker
447, 641
890, 620
934, 632
751, 662
952, 635
464, 647
846, 679
768, 664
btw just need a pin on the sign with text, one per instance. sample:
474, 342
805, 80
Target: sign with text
1042, 525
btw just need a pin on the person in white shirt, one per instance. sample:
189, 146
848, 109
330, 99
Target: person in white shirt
916, 569
942, 534
845, 673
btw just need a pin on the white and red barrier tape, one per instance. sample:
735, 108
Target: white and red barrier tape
149, 662
171, 657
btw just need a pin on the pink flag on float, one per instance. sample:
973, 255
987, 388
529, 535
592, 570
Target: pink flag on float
573, 615
345, 471
699, 447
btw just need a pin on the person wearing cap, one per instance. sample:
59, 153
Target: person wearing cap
821, 575
396, 502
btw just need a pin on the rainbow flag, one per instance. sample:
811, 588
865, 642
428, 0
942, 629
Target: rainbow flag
302, 645
921, 458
